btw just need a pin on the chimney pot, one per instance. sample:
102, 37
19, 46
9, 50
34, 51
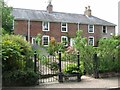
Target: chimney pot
87, 11
88, 7
49, 7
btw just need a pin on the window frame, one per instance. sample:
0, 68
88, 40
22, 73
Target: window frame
66, 27
89, 40
24, 37
13, 25
43, 26
66, 39
43, 39
105, 30
89, 29
33, 38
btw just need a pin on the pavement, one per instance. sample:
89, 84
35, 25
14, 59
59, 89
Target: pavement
85, 83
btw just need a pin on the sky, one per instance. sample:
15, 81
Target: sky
104, 9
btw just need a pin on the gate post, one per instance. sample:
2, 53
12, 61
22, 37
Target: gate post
79, 74
35, 61
60, 75
95, 66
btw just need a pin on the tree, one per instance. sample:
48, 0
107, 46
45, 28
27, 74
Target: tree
7, 19
86, 51
38, 39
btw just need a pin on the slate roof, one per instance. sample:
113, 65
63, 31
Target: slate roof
41, 15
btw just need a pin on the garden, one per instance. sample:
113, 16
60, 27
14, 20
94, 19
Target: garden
18, 62
18, 67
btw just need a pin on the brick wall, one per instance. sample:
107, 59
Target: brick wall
20, 27
55, 30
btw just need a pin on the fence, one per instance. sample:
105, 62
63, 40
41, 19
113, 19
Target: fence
57, 68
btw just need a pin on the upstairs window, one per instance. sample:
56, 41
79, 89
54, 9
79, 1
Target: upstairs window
45, 40
64, 27
90, 28
64, 40
104, 29
91, 40
45, 26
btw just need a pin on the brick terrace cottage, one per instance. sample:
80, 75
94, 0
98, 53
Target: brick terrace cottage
61, 26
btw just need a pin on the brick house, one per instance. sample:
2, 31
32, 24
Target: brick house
60, 25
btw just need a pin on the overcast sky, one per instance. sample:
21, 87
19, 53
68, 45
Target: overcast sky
104, 9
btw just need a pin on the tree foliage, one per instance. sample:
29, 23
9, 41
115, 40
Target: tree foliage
15, 50
108, 55
38, 39
86, 51
7, 19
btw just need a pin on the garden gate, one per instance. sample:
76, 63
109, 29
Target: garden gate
55, 68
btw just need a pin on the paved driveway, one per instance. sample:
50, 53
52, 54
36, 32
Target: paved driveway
87, 82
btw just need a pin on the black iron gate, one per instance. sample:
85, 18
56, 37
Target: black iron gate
48, 68
55, 68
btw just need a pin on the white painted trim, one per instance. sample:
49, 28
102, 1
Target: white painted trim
24, 37
43, 39
72, 42
13, 25
106, 29
89, 38
64, 27
88, 29
66, 38
43, 26
33, 40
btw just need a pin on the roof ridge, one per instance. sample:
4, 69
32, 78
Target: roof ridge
46, 11
59, 16
29, 9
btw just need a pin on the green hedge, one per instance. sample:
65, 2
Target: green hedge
15, 52
20, 78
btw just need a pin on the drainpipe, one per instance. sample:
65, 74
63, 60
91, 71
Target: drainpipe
29, 30
78, 26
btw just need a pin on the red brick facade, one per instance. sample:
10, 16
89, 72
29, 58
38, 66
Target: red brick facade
21, 27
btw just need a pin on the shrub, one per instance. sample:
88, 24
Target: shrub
15, 51
20, 78
73, 68
55, 47
108, 55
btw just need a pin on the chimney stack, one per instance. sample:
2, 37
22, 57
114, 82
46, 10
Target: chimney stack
49, 7
88, 11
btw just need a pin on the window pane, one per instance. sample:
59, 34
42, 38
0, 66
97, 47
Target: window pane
90, 28
64, 24
45, 40
45, 25
63, 29
90, 41
65, 40
104, 29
